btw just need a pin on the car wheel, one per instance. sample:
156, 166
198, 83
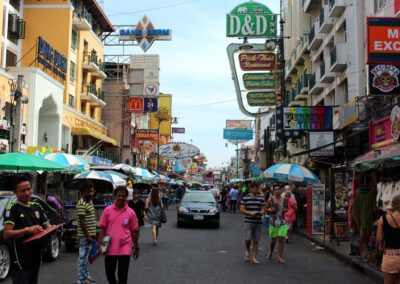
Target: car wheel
180, 224
53, 248
5, 262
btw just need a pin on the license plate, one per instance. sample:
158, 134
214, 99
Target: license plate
198, 217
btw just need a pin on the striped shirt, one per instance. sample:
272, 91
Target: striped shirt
253, 204
86, 209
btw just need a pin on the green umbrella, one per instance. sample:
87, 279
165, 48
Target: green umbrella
21, 161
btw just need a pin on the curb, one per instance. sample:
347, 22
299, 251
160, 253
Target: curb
368, 270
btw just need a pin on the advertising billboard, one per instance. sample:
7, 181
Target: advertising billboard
383, 79
383, 45
163, 116
136, 104
147, 134
178, 150
348, 114
179, 130
260, 61
319, 139
238, 134
238, 124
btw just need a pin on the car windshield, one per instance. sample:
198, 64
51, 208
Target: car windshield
198, 198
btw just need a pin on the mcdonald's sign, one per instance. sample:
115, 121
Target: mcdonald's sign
136, 104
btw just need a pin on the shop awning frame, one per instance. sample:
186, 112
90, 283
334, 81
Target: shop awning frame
387, 161
77, 130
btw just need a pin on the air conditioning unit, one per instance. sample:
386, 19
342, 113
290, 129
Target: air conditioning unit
13, 23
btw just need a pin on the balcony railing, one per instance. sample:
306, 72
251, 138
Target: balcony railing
333, 55
331, 4
321, 17
91, 57
84, 14
322, 68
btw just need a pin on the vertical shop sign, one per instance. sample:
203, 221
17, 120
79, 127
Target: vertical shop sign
315, 209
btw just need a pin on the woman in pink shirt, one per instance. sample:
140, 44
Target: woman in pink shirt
120, 222
290, 215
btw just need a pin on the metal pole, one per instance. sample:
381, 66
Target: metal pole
237, 160
16, 133
158, 148
282, 63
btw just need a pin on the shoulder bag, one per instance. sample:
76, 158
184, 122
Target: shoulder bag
163, 216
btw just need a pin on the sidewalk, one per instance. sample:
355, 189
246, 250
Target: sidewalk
342, 253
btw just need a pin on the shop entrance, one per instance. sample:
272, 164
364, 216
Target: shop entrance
49, 122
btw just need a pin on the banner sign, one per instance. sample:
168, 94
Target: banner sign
380, 133
145, 34
254, 81
290, 121
136, 104
238, 134
265, 61
383, 45
383, 79
180, 130
261, 98
238, 124
315, 224
348, 114
185, 164
147, 135
51, 59
150, 105
178, 150
319, 139
252, 20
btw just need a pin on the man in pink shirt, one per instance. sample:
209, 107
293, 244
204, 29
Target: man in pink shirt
120, 222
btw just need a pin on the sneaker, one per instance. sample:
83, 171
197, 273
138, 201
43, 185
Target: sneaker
90, 280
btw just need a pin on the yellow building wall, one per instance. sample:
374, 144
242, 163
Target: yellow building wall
45, 2
1, 16
54, 26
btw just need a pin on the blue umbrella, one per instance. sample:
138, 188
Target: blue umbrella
37, 153
94, 175
291, 172
161, 178
70, 161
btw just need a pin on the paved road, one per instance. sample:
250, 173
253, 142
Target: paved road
205, 255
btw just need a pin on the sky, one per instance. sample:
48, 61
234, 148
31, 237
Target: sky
194, 65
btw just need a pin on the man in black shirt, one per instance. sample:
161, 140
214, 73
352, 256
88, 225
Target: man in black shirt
24, 219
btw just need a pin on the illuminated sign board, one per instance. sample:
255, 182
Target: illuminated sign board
136, 104
261, 99
259, 81
51, 59
145, 34
263, 61
147, 134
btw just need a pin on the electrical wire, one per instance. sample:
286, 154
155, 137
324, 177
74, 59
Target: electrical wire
210, 104
155, 8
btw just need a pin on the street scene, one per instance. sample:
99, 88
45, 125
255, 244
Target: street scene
200, 141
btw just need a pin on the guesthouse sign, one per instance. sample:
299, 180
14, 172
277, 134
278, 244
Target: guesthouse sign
51, 59
252, 20
264, 61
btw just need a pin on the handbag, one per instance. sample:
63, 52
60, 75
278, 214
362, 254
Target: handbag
163, 216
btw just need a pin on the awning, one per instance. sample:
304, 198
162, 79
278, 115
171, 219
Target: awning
77, 130
388, 160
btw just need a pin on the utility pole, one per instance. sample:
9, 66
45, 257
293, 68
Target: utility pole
16, 115
282, 63
267, 147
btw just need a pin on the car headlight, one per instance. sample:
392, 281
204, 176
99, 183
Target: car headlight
183, 210
214, 211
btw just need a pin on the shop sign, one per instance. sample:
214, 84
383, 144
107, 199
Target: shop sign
150, 104
51, 59
383, 79
238, 134
348, 114
254, 81
100, 161
264, 61
380, 133
151, 89
290, 121
136, 104
238, 124
4, 124
178, 130
315, 209
185, 164
255, 170
395, 121
178, 150
252, 20
261, 98
319, 139
383, 40
145, 34
147, 134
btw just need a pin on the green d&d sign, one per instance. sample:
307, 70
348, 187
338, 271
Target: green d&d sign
251, 19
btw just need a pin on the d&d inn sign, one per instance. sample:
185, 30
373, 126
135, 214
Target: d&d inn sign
251, 19
51, 59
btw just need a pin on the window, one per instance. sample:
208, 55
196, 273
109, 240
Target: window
71, 101
75, 38
72, 72
379, 4
83, 108
11, 59
16, 4
92, 112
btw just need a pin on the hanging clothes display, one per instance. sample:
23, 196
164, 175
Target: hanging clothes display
386, 192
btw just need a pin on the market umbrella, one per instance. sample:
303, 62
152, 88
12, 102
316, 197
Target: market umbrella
94, 175
22, 161
117, 180
37, 153
235, 180
142, 174
161, 178
70, 161
127, 169
111, 172
291, 172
